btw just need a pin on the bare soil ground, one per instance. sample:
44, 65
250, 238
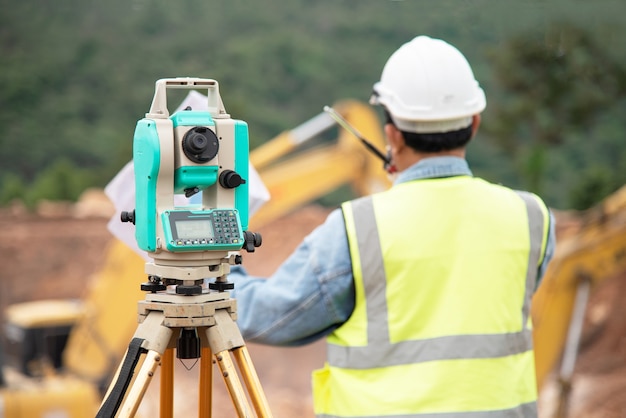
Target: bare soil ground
54, 256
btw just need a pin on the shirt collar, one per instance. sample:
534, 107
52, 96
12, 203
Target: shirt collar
435, 167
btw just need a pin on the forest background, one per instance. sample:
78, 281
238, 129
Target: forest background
76, 75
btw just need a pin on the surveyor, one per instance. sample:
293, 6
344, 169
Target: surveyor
422, 291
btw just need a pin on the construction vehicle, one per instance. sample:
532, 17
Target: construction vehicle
98, 338
105, 321
593, 252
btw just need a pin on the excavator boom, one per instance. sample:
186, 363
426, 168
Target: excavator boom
300, 178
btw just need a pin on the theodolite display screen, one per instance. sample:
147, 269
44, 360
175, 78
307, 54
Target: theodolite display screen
216, 229
189, 229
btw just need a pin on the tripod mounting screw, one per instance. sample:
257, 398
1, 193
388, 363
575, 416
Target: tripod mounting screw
221, 286
153, 287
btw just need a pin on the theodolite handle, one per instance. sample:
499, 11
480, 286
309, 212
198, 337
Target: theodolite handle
158, 109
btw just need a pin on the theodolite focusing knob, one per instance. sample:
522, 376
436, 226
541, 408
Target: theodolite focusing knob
251, 240
128, 216
229, 179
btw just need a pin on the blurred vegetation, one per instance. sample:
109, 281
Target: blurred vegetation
75, 77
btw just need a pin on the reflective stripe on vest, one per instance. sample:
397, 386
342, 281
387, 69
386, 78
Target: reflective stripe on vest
380, 352
369, 351
524, 410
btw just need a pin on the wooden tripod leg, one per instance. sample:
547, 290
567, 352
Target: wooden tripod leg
166, 403
223, 338
253, 384
156, 337
149, 342
129, 408
235, 389
206, 382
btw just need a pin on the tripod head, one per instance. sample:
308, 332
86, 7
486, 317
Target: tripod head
188, 153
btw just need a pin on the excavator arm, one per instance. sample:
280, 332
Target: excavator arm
294, 179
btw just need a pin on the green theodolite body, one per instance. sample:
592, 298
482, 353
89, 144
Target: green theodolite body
201, 153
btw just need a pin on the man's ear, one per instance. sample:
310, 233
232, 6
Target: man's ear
475, 123
394, 137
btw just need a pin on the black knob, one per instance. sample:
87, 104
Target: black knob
221, 286
229, 179
128, 216
191, 191
251, 240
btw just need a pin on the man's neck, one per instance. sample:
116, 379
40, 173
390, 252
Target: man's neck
417, 156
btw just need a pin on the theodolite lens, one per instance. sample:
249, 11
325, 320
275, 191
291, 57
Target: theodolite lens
197, 143
200, 144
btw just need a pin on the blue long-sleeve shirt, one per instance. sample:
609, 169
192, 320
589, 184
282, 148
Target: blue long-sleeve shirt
312, 292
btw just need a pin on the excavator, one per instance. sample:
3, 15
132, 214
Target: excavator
98, 334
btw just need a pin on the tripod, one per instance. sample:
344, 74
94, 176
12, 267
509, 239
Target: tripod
203, 326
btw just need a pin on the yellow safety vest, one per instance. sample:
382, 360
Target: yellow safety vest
444, 271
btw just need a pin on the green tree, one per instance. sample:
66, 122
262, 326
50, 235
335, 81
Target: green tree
61, 181
557, 83
12, 188
597, 182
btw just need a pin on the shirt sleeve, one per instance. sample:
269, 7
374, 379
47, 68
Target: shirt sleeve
310, 295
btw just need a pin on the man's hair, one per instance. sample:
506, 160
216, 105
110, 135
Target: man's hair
436, 141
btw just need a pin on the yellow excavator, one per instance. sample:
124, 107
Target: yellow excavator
103, 323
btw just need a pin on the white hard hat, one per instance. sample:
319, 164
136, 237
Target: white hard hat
428, 86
